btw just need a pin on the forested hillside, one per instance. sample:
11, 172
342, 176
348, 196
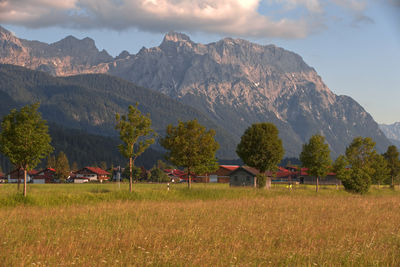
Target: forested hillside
89, 102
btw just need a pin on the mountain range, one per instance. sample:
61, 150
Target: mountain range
232, 83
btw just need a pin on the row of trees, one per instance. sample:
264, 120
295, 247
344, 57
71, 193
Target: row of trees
24, 139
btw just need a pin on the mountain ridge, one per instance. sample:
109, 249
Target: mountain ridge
236, 83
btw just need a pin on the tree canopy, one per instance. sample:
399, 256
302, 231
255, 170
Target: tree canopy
24, 138
190, 145
260, 147
393, 162
316, 157
136, 135
62, 166
356, 169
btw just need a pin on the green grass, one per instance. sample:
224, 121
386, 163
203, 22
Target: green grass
49, 195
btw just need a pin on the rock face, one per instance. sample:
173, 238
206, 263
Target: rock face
237, 83
66, 57
233, 82
392, 132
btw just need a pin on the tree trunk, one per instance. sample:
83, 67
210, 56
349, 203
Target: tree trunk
379, 185
255, 181
189, 179
25, 181
316, 188
130, 175
392, 185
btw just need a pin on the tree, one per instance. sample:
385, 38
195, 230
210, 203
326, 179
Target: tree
51, 161
103, 165
361, 154
380, 170
260, 147
62, 167
190, 145
24, 138
356, 169
136, 135
74, 166
393, 162
159, 176
316, 157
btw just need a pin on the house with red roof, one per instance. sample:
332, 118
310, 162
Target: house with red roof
89, 174
222, 174
302, 176
45, 176
18, 174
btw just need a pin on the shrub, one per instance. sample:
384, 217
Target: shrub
357, 181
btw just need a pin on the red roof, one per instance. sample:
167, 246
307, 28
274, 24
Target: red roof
229, 167
97, 170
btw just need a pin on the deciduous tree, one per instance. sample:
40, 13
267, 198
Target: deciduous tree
316, 157
380, 170
190, 145
136, 135
24, 138
356, 169
260, 147
393, 161
62, 166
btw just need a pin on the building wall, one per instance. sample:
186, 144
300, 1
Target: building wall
241, 178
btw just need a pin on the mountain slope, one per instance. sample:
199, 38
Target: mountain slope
232, 82
392, 131
90, 102
237, 83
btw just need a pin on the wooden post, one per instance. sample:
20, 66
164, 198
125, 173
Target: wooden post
317, 184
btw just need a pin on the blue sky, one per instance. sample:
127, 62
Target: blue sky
353, 44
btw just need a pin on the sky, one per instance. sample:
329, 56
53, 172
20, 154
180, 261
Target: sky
354, 45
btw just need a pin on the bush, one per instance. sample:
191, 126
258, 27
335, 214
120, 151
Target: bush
159, 176
357, 181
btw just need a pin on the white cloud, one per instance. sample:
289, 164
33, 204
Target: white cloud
228, 17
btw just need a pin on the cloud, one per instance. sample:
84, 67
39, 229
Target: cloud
228, 17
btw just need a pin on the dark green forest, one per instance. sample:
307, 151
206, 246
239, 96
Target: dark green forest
90, 102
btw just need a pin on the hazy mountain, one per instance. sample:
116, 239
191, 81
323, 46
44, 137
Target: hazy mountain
89, 102
392, 131
234, 83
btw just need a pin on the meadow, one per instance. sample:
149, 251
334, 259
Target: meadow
209, 225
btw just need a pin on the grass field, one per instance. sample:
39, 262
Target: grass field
210, 225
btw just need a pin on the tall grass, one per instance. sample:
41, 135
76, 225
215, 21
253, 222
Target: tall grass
211, 225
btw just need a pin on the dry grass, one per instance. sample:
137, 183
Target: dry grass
284, 229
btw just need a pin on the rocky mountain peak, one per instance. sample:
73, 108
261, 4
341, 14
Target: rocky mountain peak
176, 37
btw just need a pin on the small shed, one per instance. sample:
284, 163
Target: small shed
243, 176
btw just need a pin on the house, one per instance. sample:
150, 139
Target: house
88, 174
301, 174
222, 174
243, 176
45, 176
18, 174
